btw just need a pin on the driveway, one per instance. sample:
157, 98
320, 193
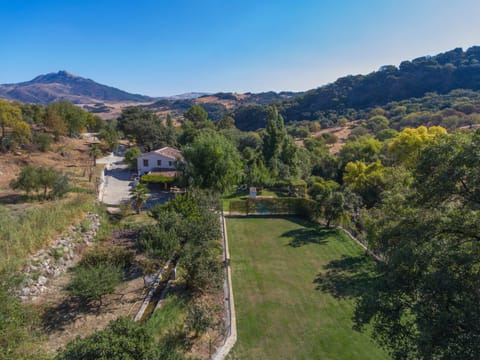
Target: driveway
116, 181
117, 184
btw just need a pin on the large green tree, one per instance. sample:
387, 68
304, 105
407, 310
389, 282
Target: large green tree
9, 116
196, 114
424, 304
74, 118
212, 162
144, 126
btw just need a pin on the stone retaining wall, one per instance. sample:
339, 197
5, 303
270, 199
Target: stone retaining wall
54, 260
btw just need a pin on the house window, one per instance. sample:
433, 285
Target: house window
159, 162
170, 163
145, 162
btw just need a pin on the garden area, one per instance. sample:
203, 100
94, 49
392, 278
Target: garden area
294, 285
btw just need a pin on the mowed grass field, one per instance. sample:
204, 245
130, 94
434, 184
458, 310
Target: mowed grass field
294, 287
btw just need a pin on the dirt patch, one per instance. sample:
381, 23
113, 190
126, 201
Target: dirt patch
342, 134
68, 155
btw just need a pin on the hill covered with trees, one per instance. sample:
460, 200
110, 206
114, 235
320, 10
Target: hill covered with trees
455, 69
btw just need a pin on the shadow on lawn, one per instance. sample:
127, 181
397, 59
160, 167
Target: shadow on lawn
348, 277
309, 235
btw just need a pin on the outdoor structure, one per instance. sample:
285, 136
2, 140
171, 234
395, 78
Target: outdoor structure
164, 160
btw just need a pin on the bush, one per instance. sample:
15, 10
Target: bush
13, 321
158, 241
199, 318
131, 156
122, 339
157, 179
43, 141
203, 268
114, 256
329, 138
92, 283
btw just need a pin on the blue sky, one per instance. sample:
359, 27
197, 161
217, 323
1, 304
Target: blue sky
169, 47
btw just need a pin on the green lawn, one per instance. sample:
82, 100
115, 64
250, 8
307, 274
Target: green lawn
294, 287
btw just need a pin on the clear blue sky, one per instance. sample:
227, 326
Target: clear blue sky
168, 47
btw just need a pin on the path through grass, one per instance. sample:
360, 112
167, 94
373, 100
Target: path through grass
294, 285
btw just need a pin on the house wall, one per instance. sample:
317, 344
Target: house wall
166, 163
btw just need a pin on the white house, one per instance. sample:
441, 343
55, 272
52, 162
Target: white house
161, 160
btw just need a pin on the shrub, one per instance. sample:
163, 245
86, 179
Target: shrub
157, 179
158, 241
114, 256
13, 321
131, 156
203, 268
122, 339
199, 318
92, 283
43, 141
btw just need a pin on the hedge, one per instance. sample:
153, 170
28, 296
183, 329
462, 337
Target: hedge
157, 178
275, 206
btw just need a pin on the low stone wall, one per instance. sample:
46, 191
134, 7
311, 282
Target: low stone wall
54, 260
230, 319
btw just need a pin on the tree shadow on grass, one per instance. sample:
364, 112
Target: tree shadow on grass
11, 199
309, 235
348, 277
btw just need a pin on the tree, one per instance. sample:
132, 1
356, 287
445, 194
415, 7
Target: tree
226, 122
27, 180
170, 132
139, 196
334, 207
21, 133
93, 282
143, 125
273, 137
424, 302
94, 153
199, 318
367, 180
212, 162
36, 178
54, 122
109, 135
43, 141
131, 156
74, 118
364, 148
377, 123
196, 114
9, 116
405, 148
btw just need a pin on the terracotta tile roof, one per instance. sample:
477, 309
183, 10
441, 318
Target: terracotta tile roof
170, 152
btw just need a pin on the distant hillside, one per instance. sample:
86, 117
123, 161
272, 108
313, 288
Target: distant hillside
219, 104
62, 85
455, 69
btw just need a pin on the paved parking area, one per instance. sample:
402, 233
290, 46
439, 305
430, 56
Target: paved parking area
118, 184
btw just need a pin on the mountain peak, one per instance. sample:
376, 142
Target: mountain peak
61, 76
64, 85
66, 74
